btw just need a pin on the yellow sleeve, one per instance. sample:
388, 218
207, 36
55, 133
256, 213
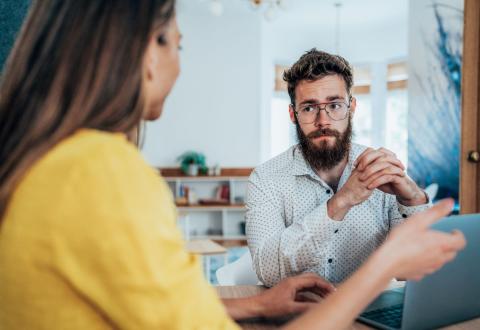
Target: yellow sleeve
119, 248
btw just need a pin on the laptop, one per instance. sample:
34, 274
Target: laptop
450, 295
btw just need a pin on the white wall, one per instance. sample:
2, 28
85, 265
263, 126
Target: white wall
215, 105
370, 30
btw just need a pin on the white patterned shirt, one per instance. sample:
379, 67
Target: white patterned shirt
289, 231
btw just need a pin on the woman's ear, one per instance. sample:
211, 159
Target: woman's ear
151, 60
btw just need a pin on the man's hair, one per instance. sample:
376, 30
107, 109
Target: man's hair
314, 65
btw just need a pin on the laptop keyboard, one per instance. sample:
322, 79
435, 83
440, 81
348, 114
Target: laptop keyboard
390, 316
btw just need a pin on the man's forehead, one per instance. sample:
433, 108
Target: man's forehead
326, 88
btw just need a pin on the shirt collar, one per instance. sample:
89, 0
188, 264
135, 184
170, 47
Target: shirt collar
301, 167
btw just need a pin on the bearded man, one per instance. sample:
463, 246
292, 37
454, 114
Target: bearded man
326, 204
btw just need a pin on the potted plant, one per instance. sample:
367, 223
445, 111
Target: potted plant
192, 163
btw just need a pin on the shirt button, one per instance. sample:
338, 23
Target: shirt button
404, 215
328, 191
336, 231
330, 260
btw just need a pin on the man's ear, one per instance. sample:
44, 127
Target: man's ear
353, 105
292, 113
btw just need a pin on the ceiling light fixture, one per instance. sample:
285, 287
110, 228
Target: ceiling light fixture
269, 7
216, 7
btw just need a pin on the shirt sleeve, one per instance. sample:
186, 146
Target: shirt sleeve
398, 213
279, 251
120, 251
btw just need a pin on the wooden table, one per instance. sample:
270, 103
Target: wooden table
250, 290
206, 248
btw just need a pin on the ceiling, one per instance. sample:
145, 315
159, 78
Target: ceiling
314, 12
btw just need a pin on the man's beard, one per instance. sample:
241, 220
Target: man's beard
325, 157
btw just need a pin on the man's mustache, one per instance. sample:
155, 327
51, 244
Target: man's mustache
324, 132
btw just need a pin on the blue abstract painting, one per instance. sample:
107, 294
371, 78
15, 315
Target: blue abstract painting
12, 13
435, 94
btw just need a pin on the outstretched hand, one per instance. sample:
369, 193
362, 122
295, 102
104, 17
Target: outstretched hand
417, 250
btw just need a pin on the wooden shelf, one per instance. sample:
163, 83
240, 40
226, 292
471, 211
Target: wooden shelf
224, 241
205, 247
217, 238
231, 242
204, 178
238, 207
176, 172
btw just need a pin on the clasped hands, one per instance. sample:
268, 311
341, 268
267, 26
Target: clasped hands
375, 169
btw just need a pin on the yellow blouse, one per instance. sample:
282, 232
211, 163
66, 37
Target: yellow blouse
89, 241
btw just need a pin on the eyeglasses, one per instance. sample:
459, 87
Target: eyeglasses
308, 113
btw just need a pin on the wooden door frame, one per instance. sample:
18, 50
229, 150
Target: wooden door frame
470, 136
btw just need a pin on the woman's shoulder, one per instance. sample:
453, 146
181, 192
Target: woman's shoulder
88, 151
93, 159
92, 146
95, 170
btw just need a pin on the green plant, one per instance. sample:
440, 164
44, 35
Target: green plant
192, 157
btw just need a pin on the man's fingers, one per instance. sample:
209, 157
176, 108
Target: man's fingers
372, 169
378, 164
370, 155
381, 180
386, 151
355, 163
368, 158
385, 169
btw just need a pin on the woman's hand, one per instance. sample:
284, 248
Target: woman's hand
414, 250
286, 297
283, 299
411, 251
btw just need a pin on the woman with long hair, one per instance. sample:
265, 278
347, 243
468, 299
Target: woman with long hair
87, 229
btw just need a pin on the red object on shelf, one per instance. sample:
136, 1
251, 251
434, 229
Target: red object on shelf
223, 192
213, 201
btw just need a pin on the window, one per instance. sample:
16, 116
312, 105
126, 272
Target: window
396, 124
362, 120
282, 130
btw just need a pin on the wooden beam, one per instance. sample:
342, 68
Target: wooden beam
470, 137
398, 84
357, 90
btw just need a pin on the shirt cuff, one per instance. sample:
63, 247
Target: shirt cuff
406, 211
319, 224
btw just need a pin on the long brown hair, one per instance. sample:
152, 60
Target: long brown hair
76, 64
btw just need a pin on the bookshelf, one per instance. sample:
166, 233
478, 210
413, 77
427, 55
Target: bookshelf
207, 216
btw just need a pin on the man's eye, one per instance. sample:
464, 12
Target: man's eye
309, 108
334, 106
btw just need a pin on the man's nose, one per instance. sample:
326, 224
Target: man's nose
322, 119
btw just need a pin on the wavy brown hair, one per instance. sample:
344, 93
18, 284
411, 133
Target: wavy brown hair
314, 65
76, 64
